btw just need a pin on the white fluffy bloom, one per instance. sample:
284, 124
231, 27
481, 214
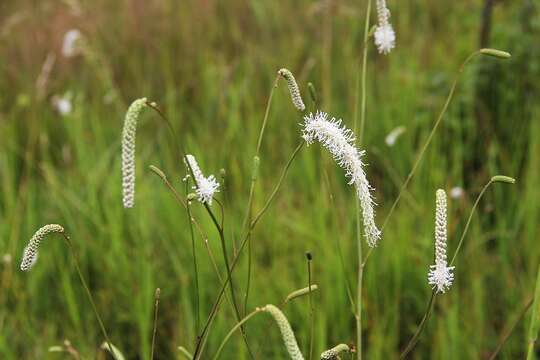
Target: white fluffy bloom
71, 45
286, 332
385, 37
440, 275
205, 187
30, 253
339, 141
128, 152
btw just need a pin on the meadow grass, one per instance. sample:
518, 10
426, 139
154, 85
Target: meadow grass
210, 66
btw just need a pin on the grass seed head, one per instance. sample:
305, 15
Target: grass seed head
128, 151
31, 251
293, 89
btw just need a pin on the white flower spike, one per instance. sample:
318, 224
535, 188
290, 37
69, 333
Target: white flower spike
286, 332
205, 187
293, 89
128, 151
385, 37
440, 275
339, 141
31, 251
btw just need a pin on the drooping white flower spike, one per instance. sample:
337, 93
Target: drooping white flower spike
385, 37
293, 89
205, 187
440, 275
128, 151
31, 251
286, 331
339, 141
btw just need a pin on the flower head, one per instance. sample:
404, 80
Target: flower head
30, 253
128, 151
339, 141
286, 332
293, 89
440, 275
385, 37
333, 353
205, 187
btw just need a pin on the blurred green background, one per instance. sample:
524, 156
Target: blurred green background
210, 65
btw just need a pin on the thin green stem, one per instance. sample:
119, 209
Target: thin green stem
154, 332
277, 187
425, 146
236, 327
247, 219
421, 326
195, 267
311, 310
88, 293
357, 203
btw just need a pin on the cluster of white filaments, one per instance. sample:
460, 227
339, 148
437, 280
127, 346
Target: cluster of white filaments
293, 89
286, 332
440, 275
30, 253
385, 37
205, 187
128, 152
339, 141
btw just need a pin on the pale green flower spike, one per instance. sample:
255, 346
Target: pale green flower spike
286, 331
334, 352
293, 89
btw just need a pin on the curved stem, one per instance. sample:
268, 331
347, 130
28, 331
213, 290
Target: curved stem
89, 294
236, 327
247, 218
460, 243
421, 326
426, 144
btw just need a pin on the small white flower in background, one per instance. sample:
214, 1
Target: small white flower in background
385, 37
62, 104
393, 135
6, 259
456, 192
339, 141
71, 45
205, 187
440, 275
